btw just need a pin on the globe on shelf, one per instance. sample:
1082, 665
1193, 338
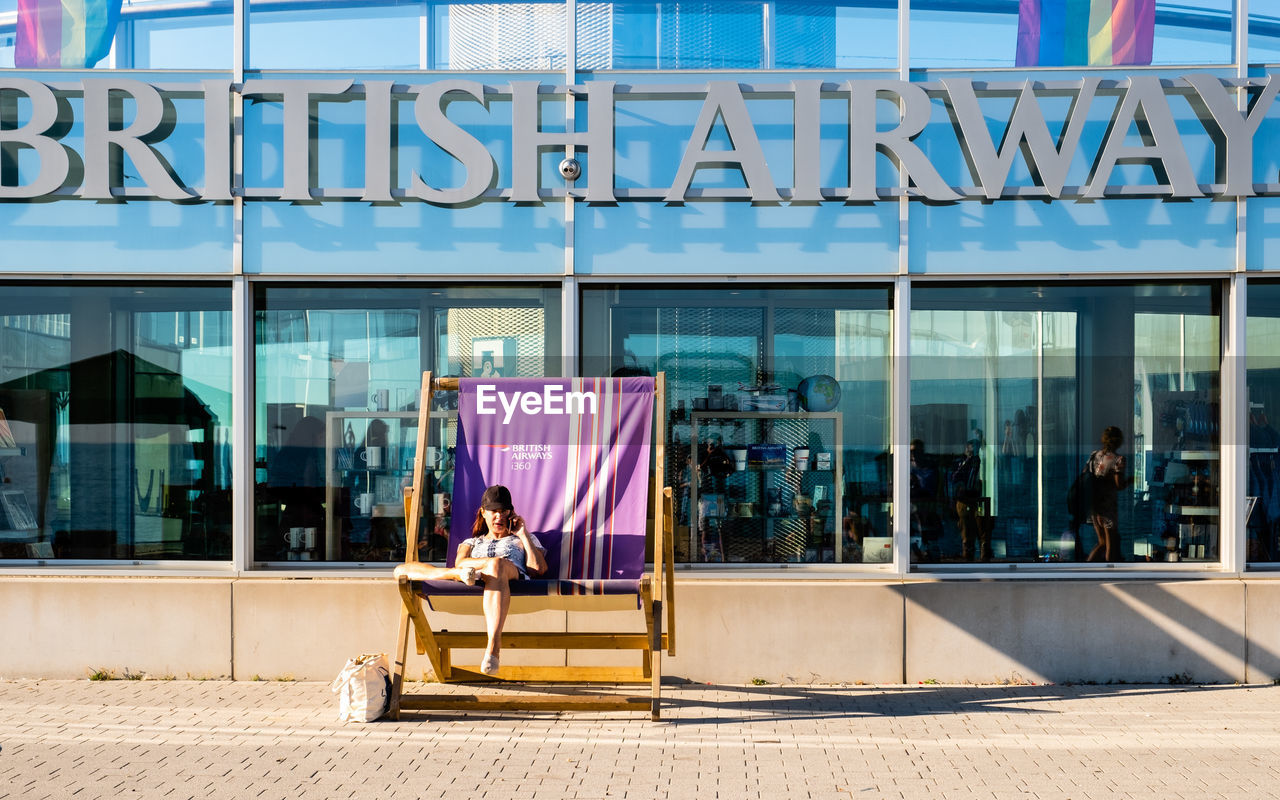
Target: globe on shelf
819, 393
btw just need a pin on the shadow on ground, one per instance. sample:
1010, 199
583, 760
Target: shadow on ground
706, 704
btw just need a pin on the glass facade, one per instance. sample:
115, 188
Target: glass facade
829, 358
115, 422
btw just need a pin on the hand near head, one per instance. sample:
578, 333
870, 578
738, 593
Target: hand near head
537, 563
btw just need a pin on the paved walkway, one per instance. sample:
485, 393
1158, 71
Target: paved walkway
219, 739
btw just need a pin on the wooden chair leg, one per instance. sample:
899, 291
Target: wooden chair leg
655, 662
398, 666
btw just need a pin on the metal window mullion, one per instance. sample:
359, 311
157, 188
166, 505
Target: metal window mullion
242, 395
571, 41
242, 444
1234, 439
900, 424
904, 74
904, 39
1240, 32
239, 39
1042, 521
570, 307
1234, 400
768, 22
424, 37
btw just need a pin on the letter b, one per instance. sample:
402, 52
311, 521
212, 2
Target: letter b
56, 160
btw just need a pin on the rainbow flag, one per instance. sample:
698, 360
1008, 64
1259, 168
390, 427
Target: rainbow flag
1078, 33
74, 34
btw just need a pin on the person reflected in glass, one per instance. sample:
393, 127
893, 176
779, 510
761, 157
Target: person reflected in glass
1016, 447
1106, 467
295, 481
926, 522
501, 550
966, 493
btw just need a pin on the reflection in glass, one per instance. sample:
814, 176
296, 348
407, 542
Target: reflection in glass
115, 422
1029, 379
778, 414
187, 42
1263, 347
505, 36
1264, 36
336, 36
339, 371
736, 35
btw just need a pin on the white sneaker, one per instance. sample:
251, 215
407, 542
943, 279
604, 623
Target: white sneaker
489, 666
469, 576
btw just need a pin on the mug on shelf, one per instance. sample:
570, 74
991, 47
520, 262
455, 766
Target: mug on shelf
371, 457
801, 459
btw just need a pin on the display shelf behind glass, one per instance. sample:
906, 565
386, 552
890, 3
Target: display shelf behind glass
766, 487
369, 460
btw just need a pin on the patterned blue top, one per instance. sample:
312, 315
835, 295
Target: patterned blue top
508, 547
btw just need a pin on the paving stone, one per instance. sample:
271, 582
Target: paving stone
178, 739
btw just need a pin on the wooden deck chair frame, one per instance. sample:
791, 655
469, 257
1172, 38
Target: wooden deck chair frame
657, 598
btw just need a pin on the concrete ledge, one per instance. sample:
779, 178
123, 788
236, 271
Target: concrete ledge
788, 631
1263, 605
729, 630
67, 627
1063, 631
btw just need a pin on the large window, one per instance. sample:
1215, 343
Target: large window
778, 413
1014, 389
115, 422
338, 377
1263, 486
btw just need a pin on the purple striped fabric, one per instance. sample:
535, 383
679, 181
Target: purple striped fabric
575, 454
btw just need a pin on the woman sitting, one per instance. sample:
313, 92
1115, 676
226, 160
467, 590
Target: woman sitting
500, 550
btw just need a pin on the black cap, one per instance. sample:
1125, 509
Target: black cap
496, 498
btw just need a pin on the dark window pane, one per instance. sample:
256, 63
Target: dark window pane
116, 433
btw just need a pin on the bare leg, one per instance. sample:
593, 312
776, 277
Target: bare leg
1113, 544
417, 571
497, 574
1101, 548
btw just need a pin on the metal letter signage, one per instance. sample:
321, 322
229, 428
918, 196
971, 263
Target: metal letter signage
54, 161
470, 151
724, 101
122, 141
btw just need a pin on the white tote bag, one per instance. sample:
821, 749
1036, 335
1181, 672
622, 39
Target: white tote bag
364, 688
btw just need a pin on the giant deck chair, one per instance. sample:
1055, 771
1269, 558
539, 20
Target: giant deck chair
578, 468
